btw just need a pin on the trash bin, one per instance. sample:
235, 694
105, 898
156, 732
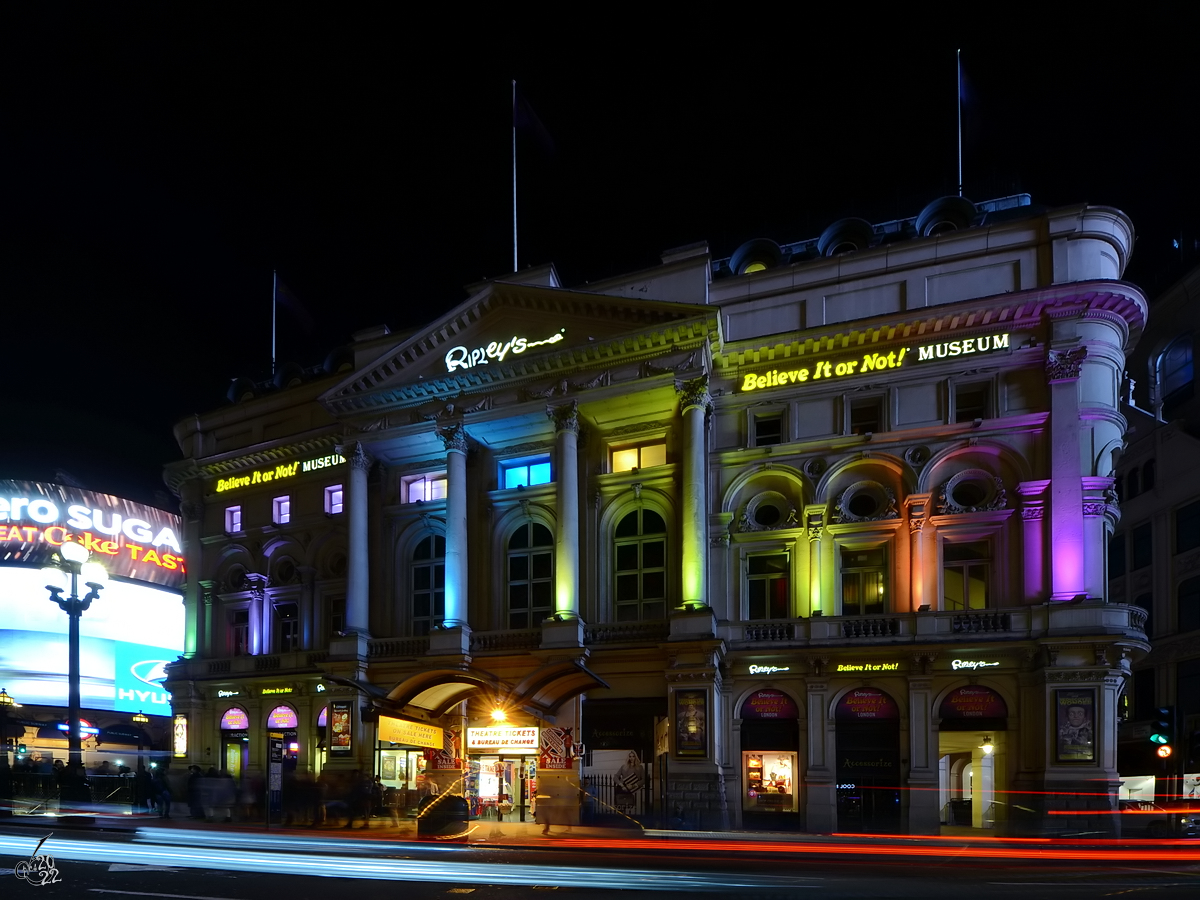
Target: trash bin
442, 816
960, 812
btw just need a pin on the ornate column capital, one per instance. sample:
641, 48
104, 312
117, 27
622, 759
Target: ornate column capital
566, 417
694, 392
356, 456
454, 438
1065, 365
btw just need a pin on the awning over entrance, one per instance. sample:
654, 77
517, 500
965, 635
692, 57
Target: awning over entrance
428, 695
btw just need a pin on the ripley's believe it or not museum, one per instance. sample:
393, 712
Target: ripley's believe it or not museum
812, 537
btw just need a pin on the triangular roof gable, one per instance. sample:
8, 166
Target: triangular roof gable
526, 328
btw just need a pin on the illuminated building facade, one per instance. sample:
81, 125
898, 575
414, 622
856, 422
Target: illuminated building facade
809, 537
1155, 551
127, 636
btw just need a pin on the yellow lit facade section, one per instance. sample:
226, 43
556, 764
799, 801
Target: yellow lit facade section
630, 458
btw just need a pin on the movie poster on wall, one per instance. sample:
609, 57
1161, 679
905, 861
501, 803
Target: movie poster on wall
340, 728
691, 723
1075, 728
557, 749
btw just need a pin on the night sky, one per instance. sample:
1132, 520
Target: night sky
155, 169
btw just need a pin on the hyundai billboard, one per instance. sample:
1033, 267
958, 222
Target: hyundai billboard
127, 636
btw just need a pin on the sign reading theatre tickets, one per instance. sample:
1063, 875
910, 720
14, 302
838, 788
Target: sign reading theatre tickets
413, 734
871, 361
769, 704
503, 739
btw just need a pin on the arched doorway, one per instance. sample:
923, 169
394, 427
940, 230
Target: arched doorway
972, 743
770, 760
868, 761
235, 741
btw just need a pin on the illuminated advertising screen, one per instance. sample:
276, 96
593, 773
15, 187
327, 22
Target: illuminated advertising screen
127, 636
132, 540
126, 639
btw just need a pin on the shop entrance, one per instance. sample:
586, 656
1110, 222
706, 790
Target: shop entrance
503, 786
868, 762
235, 742
972, 741
770, 736
402, 773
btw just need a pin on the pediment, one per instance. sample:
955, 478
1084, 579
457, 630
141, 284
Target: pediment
508, 332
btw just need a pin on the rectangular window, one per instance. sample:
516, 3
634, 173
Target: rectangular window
965, 575
1143, 546
1143, 693
768, 430
335, 616
971, 402
233, 519
239, 632
1116, 556
423, 488
333, 499
281, 510
864, 582
768, 587
525, 472
642, 457
866, 415
287, 627
1187, 527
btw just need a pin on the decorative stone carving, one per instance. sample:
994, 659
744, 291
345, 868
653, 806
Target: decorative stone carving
638, 427
883, 508
454, 438
559, 389
650, 369
773, 518
815, 468
637, 490
566, 417
990, 489
604, 379
814, 532
380, 424
1032, 512
1094, 509
1101, 651
1076, 675
915, 524
721, 540
190, 510
693, 393
360, 459
917, 456
1065, 365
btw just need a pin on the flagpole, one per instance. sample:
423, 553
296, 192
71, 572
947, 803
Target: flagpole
274, 294
514, 168
958, 59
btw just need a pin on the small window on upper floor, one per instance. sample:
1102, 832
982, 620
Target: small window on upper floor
864, 581
423, 488
1176, 376
972, 401
233, 519
1133, 484
1116, 556
281, 510
1187, 527
767, 584
1188, 598
525, 472
866, 415
333, 499
1149, 475
965, 575
767, 429
1143, 546
642, 456
287, 627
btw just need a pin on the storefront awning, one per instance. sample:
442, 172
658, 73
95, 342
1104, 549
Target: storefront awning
432, 694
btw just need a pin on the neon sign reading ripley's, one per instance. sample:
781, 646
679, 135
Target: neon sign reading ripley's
874, 362
462, 358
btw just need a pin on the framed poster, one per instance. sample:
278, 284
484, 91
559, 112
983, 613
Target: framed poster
1075, 725
691, 724
387, 768
340, 728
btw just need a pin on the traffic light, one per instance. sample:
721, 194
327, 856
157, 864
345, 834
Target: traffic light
21, 750
1162, 734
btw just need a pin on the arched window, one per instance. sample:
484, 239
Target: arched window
429, 584
1133, 484
1175, 374
530, 575
640, 571
1149, 475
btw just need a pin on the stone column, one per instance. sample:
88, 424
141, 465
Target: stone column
814, 518
193, 522
1067, 575
1033, 512
455, 439
695, 403
212, 643
821, 813
924, 813
566, 539
357, 572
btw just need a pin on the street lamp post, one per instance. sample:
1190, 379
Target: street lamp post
141, 719
73, 558
5, 772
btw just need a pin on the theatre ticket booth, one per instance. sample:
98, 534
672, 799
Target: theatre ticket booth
502, 774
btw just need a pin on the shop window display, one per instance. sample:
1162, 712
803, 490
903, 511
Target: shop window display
770, 781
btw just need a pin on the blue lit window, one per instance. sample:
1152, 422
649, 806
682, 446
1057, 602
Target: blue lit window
526, 472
